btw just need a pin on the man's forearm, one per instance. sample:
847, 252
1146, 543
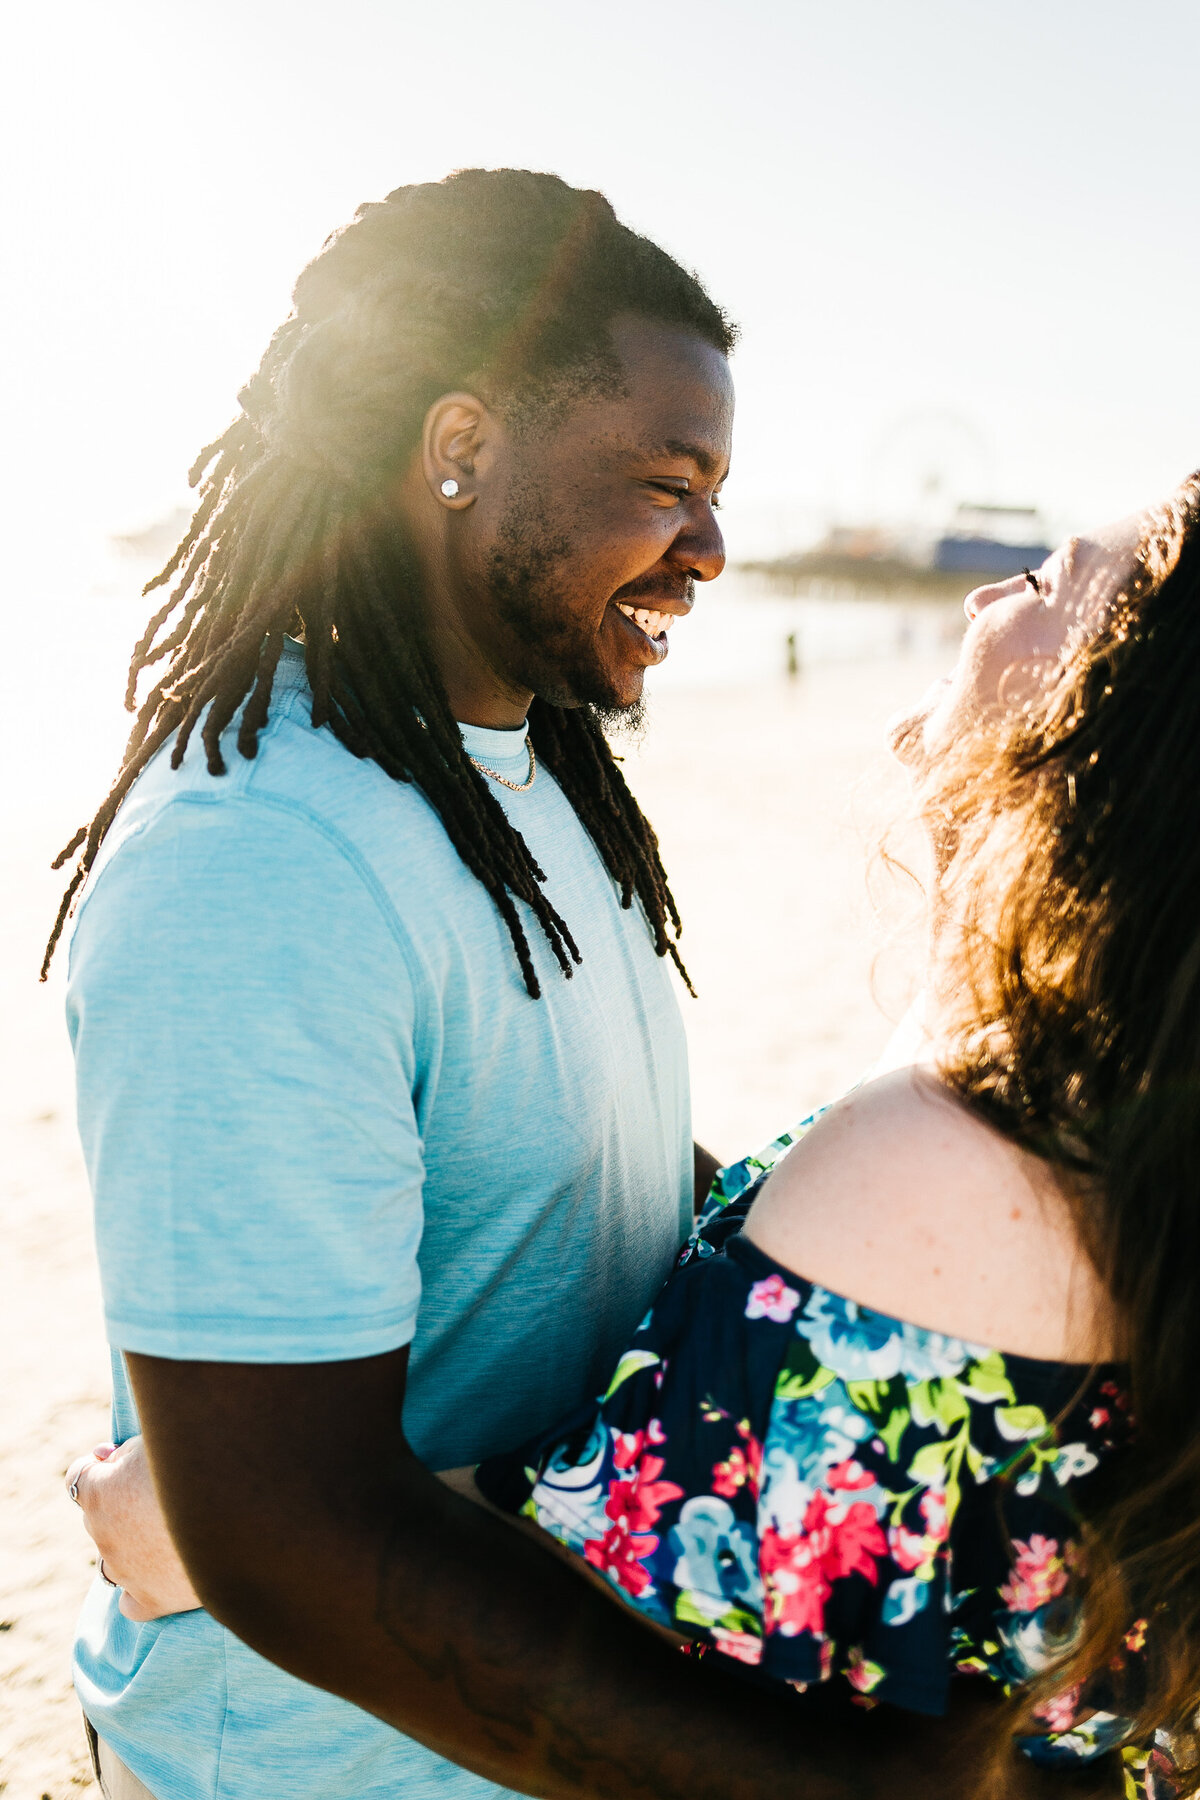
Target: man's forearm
471, 1638
495, 1655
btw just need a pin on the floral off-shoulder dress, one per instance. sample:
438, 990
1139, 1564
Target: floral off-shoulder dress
820, 1491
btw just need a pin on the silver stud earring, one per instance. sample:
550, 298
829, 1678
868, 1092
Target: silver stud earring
450, 487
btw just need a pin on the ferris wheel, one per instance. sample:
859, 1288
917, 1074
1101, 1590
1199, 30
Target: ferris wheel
926, 463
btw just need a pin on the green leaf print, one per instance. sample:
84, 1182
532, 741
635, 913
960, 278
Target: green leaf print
799, 1387
929, 1465
863, 1675
940, 1402
630, 1363
892, 1433
877, 1399
1020, 1422
688, 1612
865, 1395
939, 1465
987, 1379
801, 1374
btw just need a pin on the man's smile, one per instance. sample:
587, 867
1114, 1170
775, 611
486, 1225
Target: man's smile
654, 624
651, 626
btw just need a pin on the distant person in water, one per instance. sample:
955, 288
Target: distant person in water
382, 1083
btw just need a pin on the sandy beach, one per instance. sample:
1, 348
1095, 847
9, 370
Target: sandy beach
766, 798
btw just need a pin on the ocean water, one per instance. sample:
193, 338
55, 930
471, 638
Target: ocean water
74, 610
739, 630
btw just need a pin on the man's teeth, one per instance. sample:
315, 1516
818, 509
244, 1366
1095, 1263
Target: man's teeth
652, 623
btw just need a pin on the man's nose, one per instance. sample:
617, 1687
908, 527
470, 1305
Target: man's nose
700, 547
980, 597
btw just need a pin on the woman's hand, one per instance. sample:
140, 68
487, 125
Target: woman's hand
120, 1509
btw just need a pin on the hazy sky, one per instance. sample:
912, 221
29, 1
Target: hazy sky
971, 221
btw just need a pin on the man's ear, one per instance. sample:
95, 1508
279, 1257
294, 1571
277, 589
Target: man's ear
458, 445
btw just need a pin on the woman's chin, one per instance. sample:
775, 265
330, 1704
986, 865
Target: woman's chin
908, 732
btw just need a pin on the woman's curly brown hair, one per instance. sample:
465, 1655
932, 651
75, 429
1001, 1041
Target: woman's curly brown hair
1071, 842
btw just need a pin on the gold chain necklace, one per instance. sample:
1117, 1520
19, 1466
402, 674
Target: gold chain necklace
517, 787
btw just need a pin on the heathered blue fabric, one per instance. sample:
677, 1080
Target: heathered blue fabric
322, 1118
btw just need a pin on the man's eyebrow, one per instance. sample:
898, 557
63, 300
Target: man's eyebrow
704, 459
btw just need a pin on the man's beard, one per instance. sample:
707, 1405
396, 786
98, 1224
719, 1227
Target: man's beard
527, 578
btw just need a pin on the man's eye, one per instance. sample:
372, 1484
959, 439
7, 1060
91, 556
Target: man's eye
666, 487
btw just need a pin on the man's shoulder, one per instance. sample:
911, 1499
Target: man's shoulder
303, 828
303, 793
295, 765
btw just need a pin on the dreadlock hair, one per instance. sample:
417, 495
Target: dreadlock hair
502, 276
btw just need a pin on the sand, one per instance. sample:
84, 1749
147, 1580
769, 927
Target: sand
765, 798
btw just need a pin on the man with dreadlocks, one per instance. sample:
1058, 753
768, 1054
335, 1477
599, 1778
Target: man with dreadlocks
382, 1086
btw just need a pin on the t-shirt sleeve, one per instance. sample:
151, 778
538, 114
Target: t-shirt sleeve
242, 1013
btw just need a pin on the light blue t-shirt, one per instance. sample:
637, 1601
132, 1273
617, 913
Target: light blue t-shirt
322, 1118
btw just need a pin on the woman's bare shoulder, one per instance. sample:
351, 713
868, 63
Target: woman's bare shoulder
902, 1199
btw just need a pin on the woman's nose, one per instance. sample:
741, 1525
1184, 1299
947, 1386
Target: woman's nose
980, 597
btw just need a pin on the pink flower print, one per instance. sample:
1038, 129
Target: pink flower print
845, 1538
849, 1475
856, 1541
862, 1675
1160, 1767
1059, 1712
799, 1567
772, 1298
634, 1504
935, 1515
1098, 1416
627, 1447
1120, 1400
740, 1644
1135, 1637
794, 1585
637, 1501
742, 1468
618, 1553
732, 1474
1039, 1574
909, 1548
